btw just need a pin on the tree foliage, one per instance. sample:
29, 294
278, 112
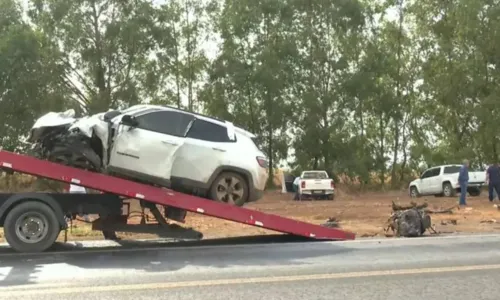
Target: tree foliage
369, 90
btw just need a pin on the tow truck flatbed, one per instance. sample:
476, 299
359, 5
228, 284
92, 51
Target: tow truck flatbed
109, 205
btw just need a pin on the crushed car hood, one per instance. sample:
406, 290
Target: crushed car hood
51, 119
88, 125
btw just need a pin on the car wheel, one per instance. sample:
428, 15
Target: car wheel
85, 158
230, 188
414, 192
474, 192
448, 190
331, 197
31, 227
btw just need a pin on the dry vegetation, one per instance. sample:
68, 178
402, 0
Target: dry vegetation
365, 214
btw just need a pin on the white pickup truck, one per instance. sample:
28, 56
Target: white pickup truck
443, 181
316, 185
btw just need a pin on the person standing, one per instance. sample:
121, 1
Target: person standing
296, 188
493, 180
463, 181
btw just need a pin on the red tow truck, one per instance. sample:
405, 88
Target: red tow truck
33, 221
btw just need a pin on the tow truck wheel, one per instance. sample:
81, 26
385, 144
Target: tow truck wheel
31, 227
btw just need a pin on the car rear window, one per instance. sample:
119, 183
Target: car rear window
256, 142
208, 131
314, 175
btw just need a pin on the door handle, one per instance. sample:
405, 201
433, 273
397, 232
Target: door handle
219, 149
170, 143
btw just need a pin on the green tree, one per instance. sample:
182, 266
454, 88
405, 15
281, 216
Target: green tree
104, 45
30, 76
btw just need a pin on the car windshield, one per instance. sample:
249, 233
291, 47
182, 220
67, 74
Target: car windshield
314, 175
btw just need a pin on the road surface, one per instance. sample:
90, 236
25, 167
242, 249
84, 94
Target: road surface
461, 267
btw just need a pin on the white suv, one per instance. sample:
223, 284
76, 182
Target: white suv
160, 145
443, 181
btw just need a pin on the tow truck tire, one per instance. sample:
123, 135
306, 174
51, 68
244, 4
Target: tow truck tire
31, 227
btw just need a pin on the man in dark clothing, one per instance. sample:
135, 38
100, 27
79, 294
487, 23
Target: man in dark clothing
493, 180
463, 180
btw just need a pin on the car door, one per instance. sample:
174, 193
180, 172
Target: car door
424, 183
151, 147
435, 182
207, 146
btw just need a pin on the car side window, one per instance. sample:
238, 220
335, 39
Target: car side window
167, 122
208, 131
426, 174
434, 172
451, 169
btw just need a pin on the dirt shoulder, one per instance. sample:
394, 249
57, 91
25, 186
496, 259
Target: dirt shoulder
364, 214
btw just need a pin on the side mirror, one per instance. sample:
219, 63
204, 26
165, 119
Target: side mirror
129, 121
110, 115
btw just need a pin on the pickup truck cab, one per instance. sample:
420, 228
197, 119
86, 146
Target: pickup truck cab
316, 185
443, 181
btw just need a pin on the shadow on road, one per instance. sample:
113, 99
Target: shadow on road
23, 269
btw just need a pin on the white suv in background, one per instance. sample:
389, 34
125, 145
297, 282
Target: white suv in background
443, 181
161, 145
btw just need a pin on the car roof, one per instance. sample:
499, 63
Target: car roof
221, 122
443, 166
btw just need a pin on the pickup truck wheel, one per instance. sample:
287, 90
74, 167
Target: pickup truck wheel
31, 227
230, 188
448, 190
474, 192
414, 192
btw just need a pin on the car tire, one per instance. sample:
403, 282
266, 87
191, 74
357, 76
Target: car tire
474, 192
448, 190
44, 232
331, 197
414, 192
236, 195
84, 158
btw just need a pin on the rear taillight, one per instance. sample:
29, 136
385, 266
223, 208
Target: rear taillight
303, 184
332, 185
262, 162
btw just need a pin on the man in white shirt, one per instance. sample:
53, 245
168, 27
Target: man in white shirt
296, 188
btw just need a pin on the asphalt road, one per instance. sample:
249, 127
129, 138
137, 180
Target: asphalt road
462, 267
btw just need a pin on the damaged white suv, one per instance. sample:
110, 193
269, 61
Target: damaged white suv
158, 145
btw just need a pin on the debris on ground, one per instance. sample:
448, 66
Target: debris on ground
446, 222
411, 221
490, 221
331, 223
